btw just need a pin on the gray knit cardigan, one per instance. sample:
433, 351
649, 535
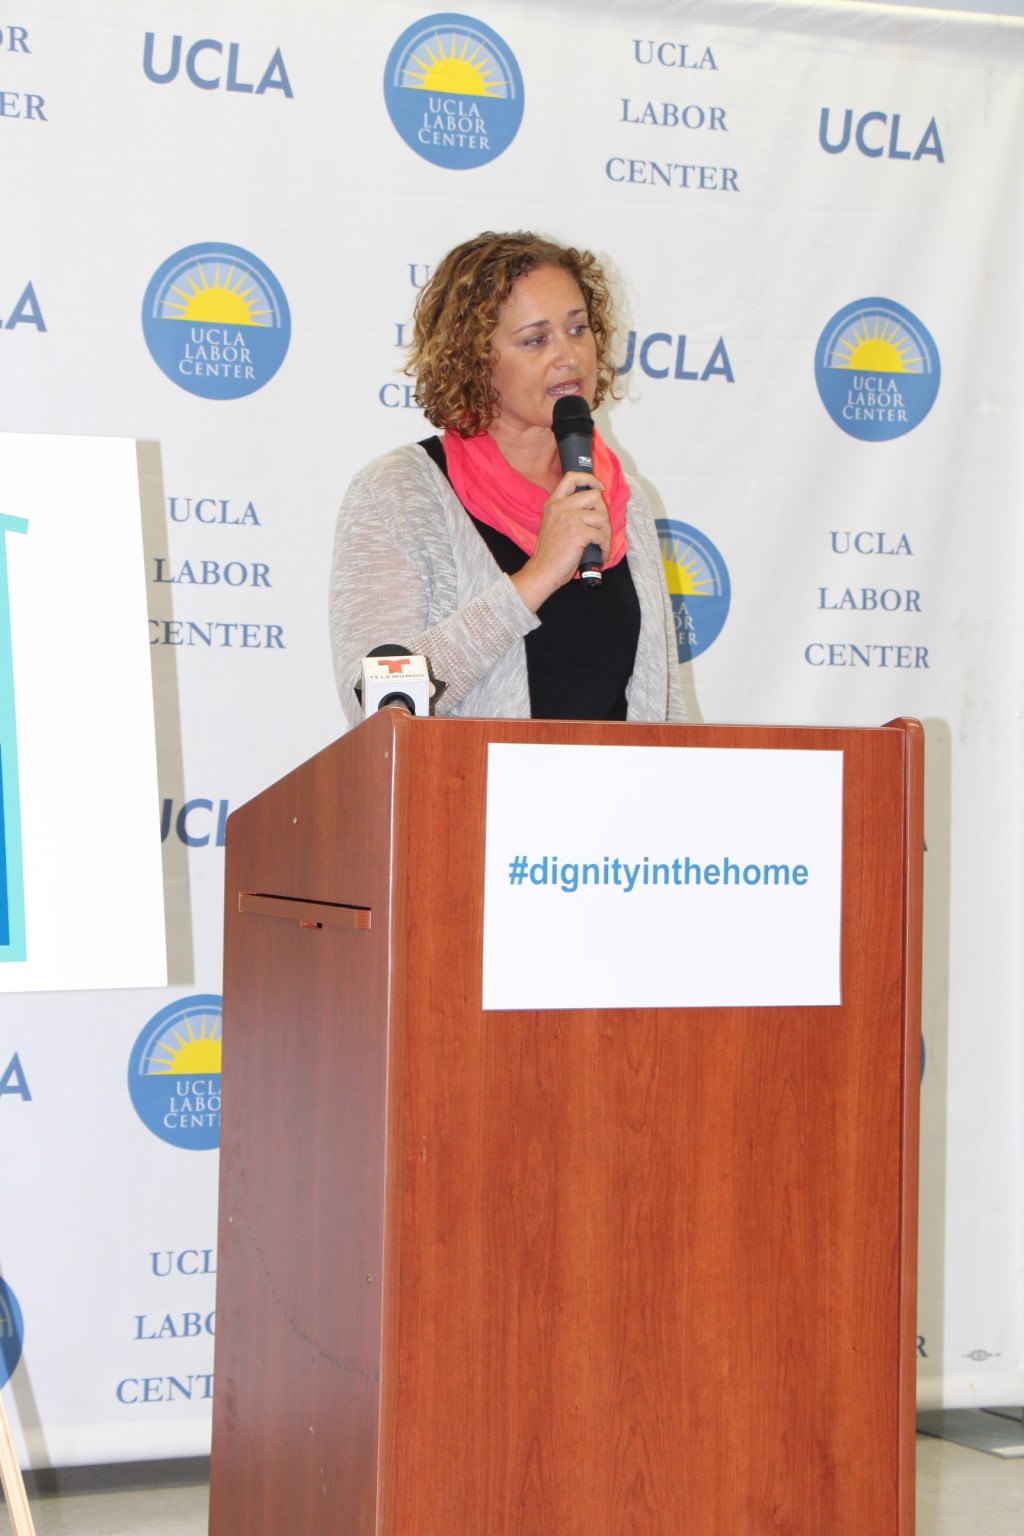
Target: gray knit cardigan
410, 567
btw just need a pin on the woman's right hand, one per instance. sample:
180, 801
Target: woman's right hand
574, 516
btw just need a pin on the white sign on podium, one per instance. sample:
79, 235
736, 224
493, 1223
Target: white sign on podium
661, 877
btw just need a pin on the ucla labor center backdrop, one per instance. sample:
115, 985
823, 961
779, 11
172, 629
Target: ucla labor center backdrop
216, 221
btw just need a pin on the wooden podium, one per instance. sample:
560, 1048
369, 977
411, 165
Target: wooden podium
566, 1273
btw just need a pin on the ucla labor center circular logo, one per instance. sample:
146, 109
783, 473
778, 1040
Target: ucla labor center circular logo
877, 369
216, 321
454, 92
174, 1073
698, 584
12, 1332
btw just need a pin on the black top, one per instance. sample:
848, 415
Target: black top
581, 658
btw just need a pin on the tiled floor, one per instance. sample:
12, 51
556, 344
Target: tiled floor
149, 1499
960, 1492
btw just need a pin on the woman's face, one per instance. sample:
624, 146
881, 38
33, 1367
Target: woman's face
543, 348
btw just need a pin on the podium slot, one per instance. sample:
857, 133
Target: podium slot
308, 914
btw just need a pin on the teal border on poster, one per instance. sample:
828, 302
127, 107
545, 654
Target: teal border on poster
13, 941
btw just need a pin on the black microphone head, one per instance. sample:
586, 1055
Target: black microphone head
571, 415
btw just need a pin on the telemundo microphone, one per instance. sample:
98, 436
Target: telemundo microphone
573, 426
392, 676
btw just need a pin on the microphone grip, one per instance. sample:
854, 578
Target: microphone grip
590, 566
575, 452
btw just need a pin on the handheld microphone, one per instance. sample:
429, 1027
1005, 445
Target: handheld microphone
573, 426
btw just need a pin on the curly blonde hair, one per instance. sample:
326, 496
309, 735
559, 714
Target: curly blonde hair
456, 316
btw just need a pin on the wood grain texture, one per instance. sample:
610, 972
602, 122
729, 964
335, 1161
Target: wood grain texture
643, 1271
297, 1398
913, 917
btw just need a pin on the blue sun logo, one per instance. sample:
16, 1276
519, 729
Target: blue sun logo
12, 1332
174, 1073
453, 91
698, 584
216, 321
877, 370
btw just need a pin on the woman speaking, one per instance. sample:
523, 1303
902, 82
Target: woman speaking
465, 548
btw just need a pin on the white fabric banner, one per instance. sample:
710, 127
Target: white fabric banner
216, 228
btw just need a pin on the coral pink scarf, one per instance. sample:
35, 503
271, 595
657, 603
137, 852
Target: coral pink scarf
499, 496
